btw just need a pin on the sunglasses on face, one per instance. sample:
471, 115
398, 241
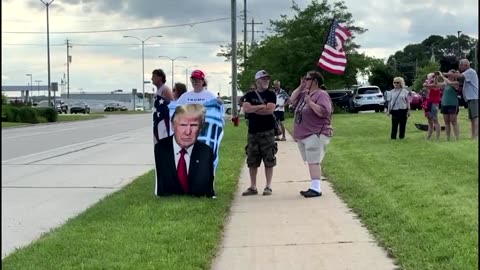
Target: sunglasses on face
196, 80
396, 82
308, 79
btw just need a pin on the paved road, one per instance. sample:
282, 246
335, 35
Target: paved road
53, 172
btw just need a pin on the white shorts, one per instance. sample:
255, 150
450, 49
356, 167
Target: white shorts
313, 148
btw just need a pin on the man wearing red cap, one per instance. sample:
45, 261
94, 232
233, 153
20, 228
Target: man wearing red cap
199, 94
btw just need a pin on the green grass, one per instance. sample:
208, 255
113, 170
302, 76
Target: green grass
78, 117
13, 124
133, 229
419, 198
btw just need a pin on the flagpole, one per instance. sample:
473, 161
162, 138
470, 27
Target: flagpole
317, 69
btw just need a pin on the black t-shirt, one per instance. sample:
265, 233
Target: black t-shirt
257, 122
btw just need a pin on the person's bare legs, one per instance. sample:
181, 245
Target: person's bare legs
446, 119
456, 128
430, 128
282, 126
474, 128
438, 129
253, 177
269, 176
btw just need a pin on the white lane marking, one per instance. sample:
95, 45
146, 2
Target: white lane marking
59, 130
70, 145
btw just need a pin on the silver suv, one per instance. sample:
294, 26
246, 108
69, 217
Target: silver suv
367, 98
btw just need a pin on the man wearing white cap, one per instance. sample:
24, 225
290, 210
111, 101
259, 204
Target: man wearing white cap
261, 145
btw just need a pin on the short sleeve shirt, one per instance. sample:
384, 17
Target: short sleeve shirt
258, 122
470, 84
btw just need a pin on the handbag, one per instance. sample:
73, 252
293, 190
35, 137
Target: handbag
277, 130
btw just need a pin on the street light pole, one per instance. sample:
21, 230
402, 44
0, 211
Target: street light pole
31, 86
173, 60
186, 74
47, 4
38, 89
143, 64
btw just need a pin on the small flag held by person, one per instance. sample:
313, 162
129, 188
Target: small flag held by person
333, 58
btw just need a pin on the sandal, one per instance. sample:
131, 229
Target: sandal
250, 191
267, 191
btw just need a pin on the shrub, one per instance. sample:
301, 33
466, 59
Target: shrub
4, 100
11, 114
50, 114
338, 109
28, 115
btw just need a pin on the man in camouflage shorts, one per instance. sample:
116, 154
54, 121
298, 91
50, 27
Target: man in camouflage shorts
261, 145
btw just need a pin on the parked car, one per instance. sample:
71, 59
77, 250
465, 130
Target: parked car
80, 107
123, 108
59, 105
341, 98
111, 107
227, 106
366, 98
416, 101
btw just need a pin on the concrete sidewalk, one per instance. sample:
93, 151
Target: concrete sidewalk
287, 231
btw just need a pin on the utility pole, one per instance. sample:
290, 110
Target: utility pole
234, 58
253, 31
69, 60
244, 31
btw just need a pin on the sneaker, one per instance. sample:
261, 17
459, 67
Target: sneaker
310, 193
250, 191
267, 191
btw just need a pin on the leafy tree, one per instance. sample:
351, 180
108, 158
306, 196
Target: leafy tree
422, 75
4, 99
381, 75
295, 46
444, 49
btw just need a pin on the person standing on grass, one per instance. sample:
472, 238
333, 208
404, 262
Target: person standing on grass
470, 94
434, 97
261, 145
282, 100
312, 129
450, 104
398, 108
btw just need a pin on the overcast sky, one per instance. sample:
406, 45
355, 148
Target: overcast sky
106, 61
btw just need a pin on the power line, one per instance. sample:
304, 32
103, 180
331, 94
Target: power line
118, 44
123, 30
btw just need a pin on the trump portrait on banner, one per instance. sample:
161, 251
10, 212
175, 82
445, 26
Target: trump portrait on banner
183, 164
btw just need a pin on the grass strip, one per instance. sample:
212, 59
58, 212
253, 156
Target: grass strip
133, 229
419, 198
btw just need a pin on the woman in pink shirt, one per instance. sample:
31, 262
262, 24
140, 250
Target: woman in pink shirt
313, 126
434, 96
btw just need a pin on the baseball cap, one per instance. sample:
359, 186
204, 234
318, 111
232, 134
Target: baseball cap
260, 74
198, 74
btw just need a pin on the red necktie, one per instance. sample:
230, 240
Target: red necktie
182, 171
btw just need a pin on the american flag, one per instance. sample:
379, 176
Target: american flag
161, 118
333, 58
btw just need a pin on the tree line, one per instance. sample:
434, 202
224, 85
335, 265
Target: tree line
295, 44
